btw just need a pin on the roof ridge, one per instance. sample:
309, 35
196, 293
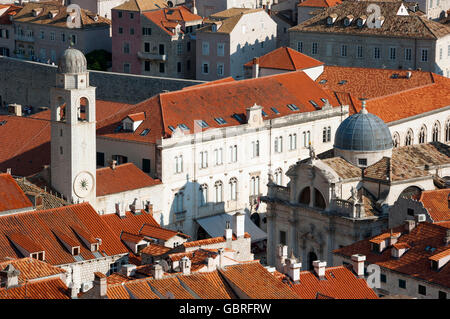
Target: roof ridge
401, 92
426, 26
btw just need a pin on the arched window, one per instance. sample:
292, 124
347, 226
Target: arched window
203, 194
423, 135
233, 188
305, 196
396, 140
254, 186
178, 202
218, 191
319, 201
409, 138
278, 176
83, 110
411, 192
60, 109
436, 131
447, 131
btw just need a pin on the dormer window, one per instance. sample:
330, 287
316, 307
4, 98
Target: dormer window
361, 20
331, 18
75, 251
214, 28
348, 20
94, 247
381, 19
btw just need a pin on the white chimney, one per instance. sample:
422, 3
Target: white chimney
9, 277
292, 268
157, 271
221, 261
210, 264
74, 290
128, 270
119, 211
100, 283
238, 224
319, 268
255, 68
15, 109
409, 225
420, 218
228, 232
185, 265
358, 264
281, 257
408, 74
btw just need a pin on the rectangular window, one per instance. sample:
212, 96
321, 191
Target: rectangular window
422, 290
448, 50
376, 53
126, 68
180, 48
410, 212
146, 31
402, 283
120, 30
131, 31
442, 295
126, 48
179, 67
392, 53
408, 54
161, 49
42, 35
441, 53
292, 141
52, 36
178, 164
344, 50
162, 67
147, 66
119, 14
219, 69
315, 48
205, 68
131, 15
220, 49
282, 237
300, 46
146, 47
278, 145
63, 37
74, 39
359, 51
383, 278
188, 46
146, 165
255, 149
218, 156
362, 161
204, 159
188, 65
205, 48
424, 55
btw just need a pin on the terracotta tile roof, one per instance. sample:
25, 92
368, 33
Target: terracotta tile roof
122, 178
210, 241
137, 116
380, 238
31, 269
285, 58
256, 282
39, 226
140, 289
170, 286
436, 203
426, 240
5, 17
197, 257
409, 26
159, 232
208, 285
155, 250
60, 20
53, 288
11, 195
131, 223
141, 5
339, 283
343, 168
117, 278
226, 20
319, 3
168, 18
48, 200
117, 292
27, 151
131, 238
222, 100
401, 246
440, 255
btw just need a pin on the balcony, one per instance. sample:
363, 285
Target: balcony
24, 38
151, 56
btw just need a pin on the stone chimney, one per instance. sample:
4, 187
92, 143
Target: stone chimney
255, 68
228, 232
238, 224
210, 264
319, 268
292, 268
15, 109
221, 261
194, 8
185, 265
408, 74
358, 264
100, 284
128, 270
119, 211
409, 225
157, 271
9, 277
281, 257
74, 290
112, 164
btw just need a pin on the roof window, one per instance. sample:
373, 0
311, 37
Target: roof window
238, 118
202, 124
275, 110
184, 127
171, 128
263, 113
293, 107
220, 120
145, 132
314, 104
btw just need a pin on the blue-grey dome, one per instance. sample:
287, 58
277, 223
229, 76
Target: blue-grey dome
72, 61
363, 132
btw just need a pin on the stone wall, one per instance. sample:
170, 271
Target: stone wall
28, 83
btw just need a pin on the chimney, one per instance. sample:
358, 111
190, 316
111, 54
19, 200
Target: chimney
210, 264
221, 261
319, 268
228, 232
293, 268
113, 164
392, 239
271, 270
420, 218
238, 224
9, 277
15, 109
120, 212
408, 74
128, 270
157, 271
255, 68
281, 258
409, 225
100, 284
447, 237
8, 171
73, 291
185, 265
194, 8
358, 264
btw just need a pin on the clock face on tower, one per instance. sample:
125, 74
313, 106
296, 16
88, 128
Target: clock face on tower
83, 184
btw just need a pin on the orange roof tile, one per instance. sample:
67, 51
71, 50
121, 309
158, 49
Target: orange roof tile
339, 283
440, 255
137, 116
31, 269
437, 204
197, 257
256, 282
170, 287
285, 58
117, 278
168, 18
132, 238
11, 195
380, 238
319, 3
159, 232
208, 285
11, 11
426, 240
53, 288
155, 250
122, 178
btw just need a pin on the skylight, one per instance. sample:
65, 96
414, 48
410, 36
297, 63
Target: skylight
220, 120
2, 123
263, 113
275, 110
322, 81
342, 82
145, 132
183, 127
314, 104
238, 118
203, 124
171, 128
293, 107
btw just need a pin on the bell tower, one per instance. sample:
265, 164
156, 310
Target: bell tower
73, 134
